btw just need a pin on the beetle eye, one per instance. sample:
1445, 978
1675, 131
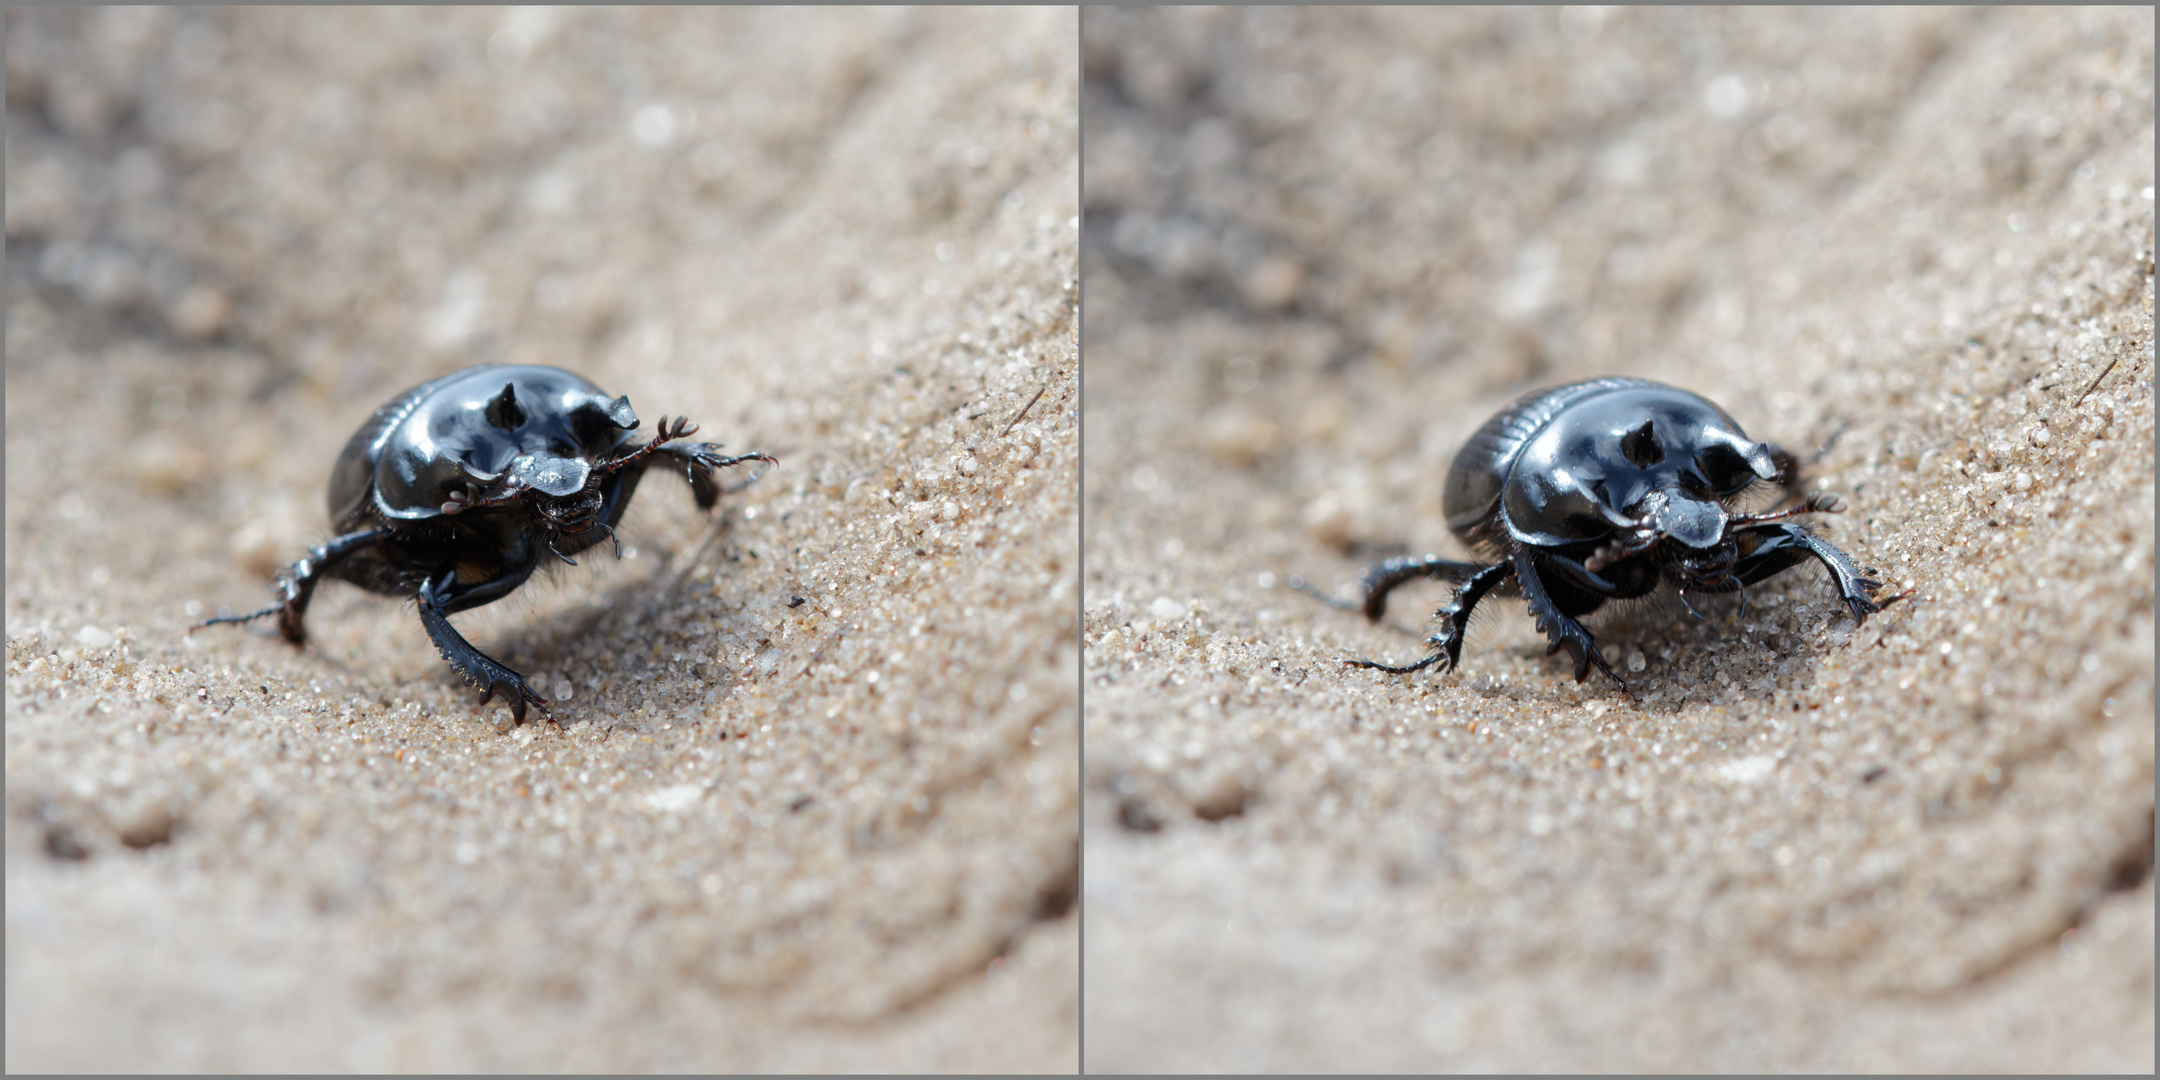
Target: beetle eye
1641, 448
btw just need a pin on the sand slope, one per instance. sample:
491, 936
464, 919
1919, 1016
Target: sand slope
1321, 247
838, 835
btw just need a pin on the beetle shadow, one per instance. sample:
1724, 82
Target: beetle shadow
603, 637
1776, 639
1711, 648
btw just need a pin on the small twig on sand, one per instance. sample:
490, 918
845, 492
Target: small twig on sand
2096, 381
1024, 410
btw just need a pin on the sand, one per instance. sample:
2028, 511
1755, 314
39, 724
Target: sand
847, 834
1321, 247
839, 833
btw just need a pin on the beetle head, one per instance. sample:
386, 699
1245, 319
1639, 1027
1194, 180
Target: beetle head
575, 512
1640, 464
1673, 514
550, 473
492, 435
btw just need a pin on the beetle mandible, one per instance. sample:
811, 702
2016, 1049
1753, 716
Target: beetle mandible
1602, 490
455, 491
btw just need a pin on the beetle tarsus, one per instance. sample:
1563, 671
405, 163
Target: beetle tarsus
519, 695
237, 619
1436, 658
296, 585
698, 462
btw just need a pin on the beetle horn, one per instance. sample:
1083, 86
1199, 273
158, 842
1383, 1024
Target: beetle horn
620, 412
1640, 446
504, 412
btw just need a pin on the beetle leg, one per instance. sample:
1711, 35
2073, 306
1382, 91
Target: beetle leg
1772, 549
1384, 577
1583, 575
1617, 550
1559, 627
698, 461
1447, 641
296, 585
441, 595
1690, 607
1822, 502
664, 432
1435, 658
1455, 617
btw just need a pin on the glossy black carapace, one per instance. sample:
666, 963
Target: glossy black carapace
457, 489
1603, 490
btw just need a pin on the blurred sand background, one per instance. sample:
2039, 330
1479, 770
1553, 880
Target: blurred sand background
838, 836
1322, 246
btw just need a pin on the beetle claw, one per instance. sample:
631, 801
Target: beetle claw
518, 697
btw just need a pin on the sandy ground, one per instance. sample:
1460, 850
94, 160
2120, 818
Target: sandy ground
835, 836
1321, 247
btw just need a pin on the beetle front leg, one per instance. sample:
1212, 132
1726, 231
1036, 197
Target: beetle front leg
296, 585
441, 595
1767, 550
698, 460
1559, 627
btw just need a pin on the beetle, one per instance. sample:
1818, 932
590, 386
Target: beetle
1603, 490
456, 490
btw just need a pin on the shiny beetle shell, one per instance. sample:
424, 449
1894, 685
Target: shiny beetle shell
1558, 466
1605, 490
456, 435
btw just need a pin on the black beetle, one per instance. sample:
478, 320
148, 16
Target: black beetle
1601, 490
453, 492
